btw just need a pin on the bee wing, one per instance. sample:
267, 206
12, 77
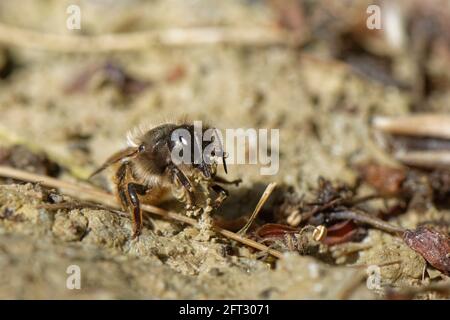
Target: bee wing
116, 157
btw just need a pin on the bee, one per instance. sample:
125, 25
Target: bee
146, 172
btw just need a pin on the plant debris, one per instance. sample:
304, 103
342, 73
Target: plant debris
286, 238
110, 73
433, 245
20, 157
417, 187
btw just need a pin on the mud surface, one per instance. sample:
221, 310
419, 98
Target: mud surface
322, 105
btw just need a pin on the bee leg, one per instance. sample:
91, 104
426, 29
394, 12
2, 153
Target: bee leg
178, 174
121, 191
222, 192
128, 192
134, 190
221, 180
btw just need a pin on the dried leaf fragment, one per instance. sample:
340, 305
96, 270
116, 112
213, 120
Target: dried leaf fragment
340, 232
386, 180
433, 245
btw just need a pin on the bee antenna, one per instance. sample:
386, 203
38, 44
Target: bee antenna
103, 167
224, 156
128, 152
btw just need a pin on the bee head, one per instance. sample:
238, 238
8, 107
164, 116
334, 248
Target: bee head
181, 145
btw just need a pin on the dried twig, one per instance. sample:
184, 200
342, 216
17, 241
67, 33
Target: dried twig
258, 207
72, 205
142, 40
86, 192
362, 217
384, 264
429, 125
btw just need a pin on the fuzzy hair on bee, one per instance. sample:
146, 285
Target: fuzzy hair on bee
147, 169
